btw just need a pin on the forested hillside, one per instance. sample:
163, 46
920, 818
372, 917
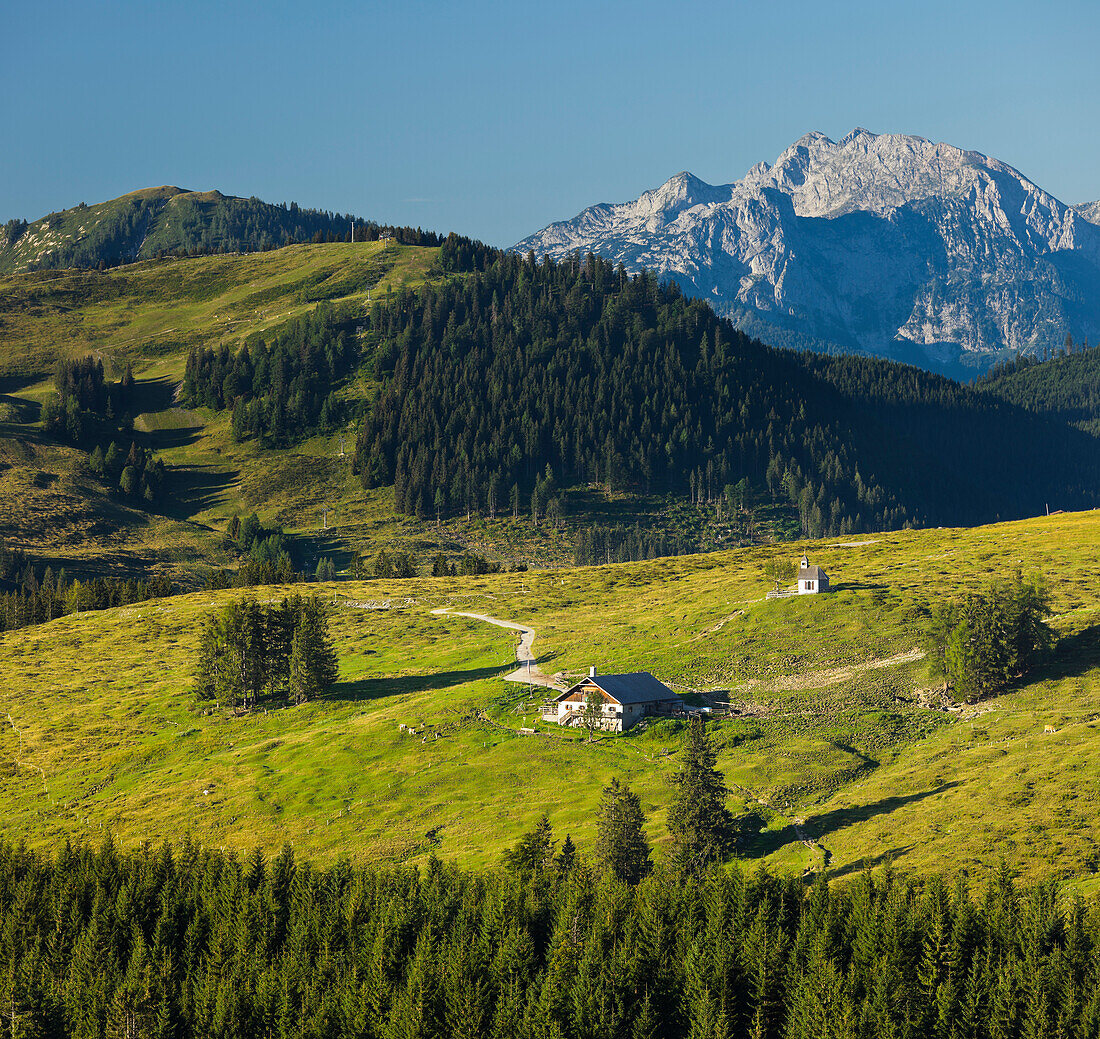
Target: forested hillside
522, 377
1065, 387
159, 221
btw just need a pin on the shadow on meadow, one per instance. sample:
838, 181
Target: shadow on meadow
164, 439
152, 395
1074, 654
20, 409
868, 862
365, 689
818, 827
194, 489
16, 383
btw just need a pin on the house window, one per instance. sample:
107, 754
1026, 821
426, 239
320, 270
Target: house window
809, 586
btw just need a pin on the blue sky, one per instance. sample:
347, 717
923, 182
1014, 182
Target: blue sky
493, 119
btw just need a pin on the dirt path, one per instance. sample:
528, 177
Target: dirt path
528, 672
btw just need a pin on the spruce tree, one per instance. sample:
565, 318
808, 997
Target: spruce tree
698, 819
313, 668
621, 844
534, 851
567, 857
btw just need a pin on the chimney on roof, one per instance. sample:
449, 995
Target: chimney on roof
592, 671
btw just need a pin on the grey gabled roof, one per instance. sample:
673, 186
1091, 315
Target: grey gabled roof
811, 573
633, 688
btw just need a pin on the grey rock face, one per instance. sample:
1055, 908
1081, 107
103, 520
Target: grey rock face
884, 244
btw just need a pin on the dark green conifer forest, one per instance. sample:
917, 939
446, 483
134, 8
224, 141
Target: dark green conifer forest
523, 368
184, 942
279, 386
1065, 386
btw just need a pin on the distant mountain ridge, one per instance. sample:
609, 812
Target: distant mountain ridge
146, 223
882, 244
1090, 211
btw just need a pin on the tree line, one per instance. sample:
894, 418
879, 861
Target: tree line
280, 384
622, 544
248, 651
178, 941
619, 381
36, 599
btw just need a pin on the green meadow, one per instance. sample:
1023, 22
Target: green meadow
838, 750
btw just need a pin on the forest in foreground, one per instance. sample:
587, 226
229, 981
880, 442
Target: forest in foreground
184, 941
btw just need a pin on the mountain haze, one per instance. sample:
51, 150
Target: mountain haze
883, 244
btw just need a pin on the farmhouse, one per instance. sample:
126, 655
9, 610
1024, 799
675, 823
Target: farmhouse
626, 700
811, 579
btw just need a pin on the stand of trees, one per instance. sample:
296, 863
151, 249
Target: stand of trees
85, 402
182, 942
622, 382
266, 556
248, 651
88, 410
624, 544
34, 597
989, 638
137, 474
279, 384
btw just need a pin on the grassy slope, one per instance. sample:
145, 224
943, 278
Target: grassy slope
850, 750
150, 314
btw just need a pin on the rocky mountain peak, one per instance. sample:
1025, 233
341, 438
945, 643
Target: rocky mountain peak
884, 243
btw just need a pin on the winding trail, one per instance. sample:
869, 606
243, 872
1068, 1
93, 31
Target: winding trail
528, 671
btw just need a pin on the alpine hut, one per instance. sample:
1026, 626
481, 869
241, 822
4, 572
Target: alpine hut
626, 699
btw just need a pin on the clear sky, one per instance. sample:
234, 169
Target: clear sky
494, 119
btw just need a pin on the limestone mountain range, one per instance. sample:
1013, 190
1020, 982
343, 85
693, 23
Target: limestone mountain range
885, 244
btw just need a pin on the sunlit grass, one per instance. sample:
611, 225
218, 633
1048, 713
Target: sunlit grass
103, 709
